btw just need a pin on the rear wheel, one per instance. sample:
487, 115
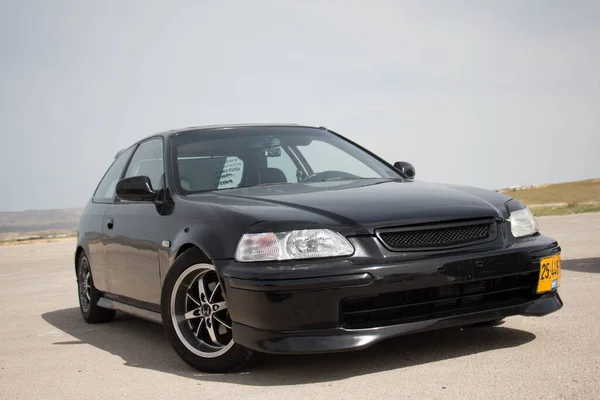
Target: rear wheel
89, 296
196, 317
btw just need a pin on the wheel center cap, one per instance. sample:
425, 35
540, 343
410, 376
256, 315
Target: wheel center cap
205, 310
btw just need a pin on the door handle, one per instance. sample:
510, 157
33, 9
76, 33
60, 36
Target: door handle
110, 223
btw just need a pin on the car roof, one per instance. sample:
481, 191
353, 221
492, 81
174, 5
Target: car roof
230, 126
169, 133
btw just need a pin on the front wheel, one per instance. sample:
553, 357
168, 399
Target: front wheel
196, 318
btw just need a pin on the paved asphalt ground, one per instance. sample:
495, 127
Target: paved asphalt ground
47, 351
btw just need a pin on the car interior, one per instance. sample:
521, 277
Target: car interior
220, 172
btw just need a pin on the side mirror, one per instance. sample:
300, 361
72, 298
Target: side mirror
136, 188
406, 168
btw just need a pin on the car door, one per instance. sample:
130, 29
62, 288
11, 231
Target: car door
132, 236
92, 220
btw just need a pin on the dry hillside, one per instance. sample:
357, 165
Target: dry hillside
40, 222
569, 192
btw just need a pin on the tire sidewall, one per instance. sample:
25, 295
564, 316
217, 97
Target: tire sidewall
85, 314
235, 358
94, 313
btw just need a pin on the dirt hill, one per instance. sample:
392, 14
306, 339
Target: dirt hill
38, 222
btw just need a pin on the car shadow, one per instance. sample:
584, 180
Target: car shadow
591, 265
143, 344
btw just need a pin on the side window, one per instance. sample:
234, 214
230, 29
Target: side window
105, 192
284, 163
148, 161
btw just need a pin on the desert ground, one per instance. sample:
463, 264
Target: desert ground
48, 352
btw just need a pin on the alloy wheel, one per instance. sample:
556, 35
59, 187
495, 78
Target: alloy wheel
85, 285
199, 312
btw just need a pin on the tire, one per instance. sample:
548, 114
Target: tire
197, 322
88, 295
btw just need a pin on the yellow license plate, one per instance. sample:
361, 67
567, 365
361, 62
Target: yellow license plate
549, 274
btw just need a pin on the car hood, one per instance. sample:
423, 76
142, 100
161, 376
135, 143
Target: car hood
359, 206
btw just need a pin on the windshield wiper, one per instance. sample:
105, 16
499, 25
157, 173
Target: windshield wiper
260, 184
275, 183
345, 179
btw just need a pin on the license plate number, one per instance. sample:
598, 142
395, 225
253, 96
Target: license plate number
549, 279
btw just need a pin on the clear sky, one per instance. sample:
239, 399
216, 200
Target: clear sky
482, 93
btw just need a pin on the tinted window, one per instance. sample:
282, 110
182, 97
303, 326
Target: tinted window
231, 173
218, 172
323, 156
284, 163
148, 161
250, 156
105, 192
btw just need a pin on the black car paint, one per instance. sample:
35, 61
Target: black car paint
292, 306
278, 308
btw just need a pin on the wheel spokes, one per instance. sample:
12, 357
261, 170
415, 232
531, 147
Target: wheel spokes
87, 285
195, 313
221, 321
202, 290
210, 327
189, 296
199, 326
216, 307
199, 307
212, 295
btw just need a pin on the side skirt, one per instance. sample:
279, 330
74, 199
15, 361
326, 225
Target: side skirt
126, 308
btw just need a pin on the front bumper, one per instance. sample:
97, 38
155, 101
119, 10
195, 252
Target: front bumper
318, 306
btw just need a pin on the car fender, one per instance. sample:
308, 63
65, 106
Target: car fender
216, 241
81, 247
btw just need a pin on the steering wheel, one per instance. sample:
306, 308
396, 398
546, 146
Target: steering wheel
329, 175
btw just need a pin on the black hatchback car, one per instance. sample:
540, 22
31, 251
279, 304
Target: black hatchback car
293, 239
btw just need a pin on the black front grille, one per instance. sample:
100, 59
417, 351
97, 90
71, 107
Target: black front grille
438, 302
436, 237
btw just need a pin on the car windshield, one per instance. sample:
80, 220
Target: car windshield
228, 158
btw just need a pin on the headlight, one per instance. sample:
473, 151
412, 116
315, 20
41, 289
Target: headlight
308, 243
523, 223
